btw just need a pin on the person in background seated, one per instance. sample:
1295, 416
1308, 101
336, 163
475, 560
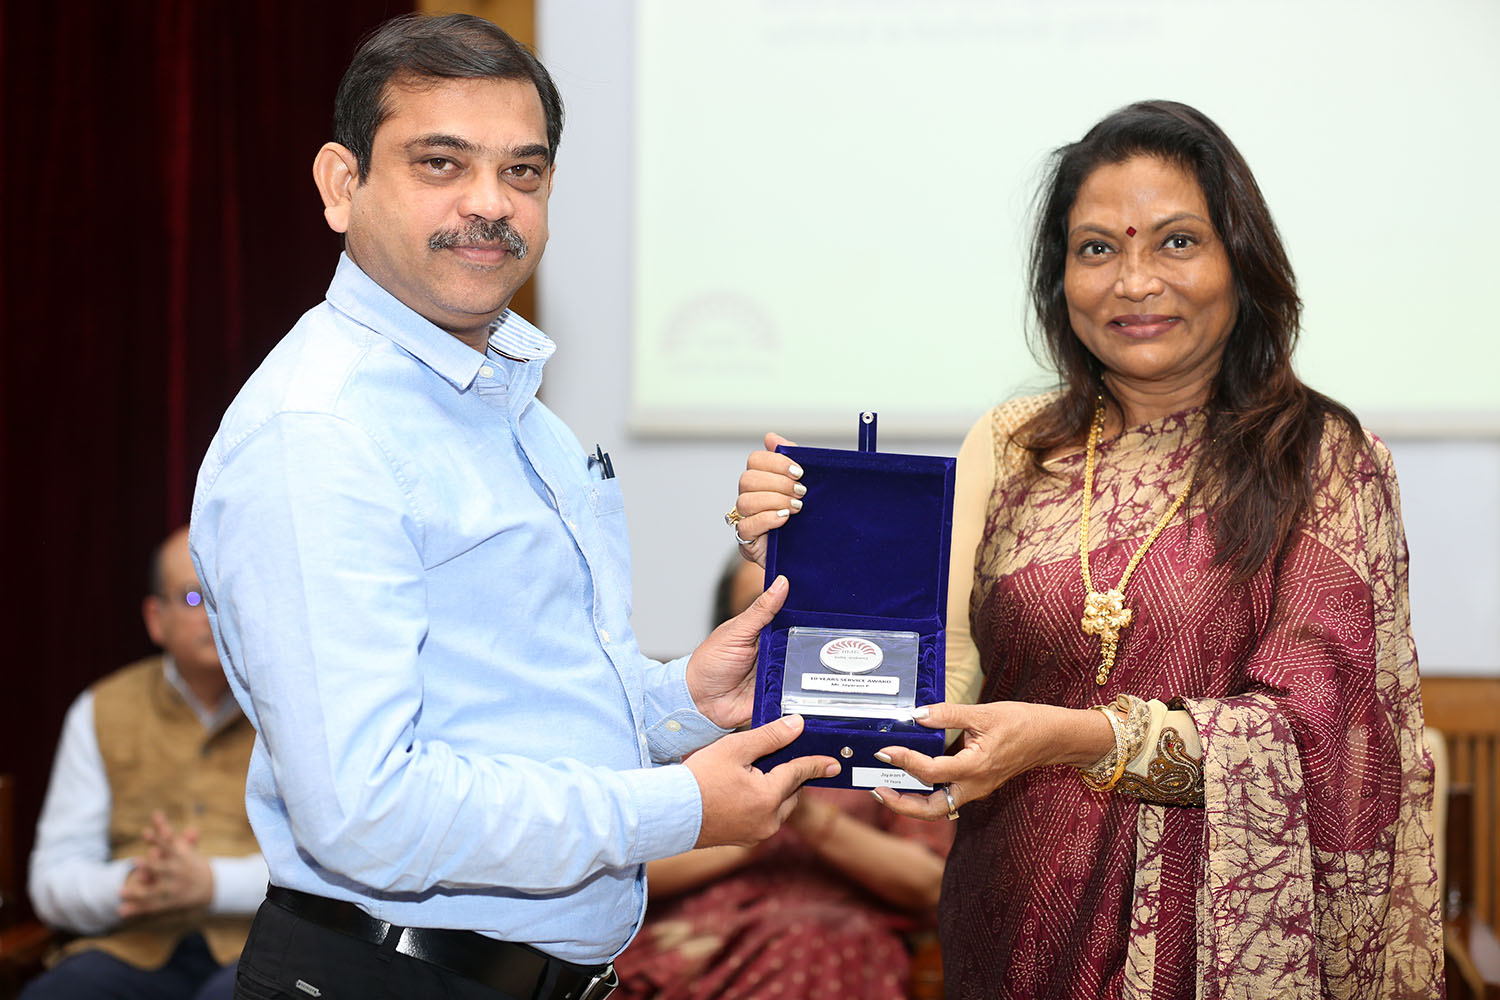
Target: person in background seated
143, 848
819, 910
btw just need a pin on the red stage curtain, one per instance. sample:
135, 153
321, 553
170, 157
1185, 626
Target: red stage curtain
160, 233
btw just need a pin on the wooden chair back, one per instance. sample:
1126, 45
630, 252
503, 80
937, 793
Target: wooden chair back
1467, 710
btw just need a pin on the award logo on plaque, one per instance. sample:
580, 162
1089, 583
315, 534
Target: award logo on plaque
850, 673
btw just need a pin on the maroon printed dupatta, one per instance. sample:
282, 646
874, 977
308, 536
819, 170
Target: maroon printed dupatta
1318, 877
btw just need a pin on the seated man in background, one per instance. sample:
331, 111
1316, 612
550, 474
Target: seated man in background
142, 847
822, 909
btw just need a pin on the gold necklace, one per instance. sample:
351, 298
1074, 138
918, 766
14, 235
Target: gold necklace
1105, 614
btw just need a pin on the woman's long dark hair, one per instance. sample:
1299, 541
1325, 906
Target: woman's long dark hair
1264, 426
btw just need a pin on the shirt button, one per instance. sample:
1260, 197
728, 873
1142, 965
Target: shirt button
674, 725
486, 371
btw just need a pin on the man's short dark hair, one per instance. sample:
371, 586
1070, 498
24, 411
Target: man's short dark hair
415, 47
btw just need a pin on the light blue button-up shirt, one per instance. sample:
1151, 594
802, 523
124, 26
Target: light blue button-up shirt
420, 588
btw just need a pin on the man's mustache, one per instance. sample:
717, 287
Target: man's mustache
481, 233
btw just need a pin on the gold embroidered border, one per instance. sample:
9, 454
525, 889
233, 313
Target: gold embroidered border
1174, 777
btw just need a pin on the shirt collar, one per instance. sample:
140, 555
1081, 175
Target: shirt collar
513, 337
355, 294
211, 718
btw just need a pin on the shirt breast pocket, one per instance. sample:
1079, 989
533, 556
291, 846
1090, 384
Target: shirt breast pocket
608, 502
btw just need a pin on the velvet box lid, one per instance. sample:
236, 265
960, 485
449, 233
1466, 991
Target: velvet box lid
868, 551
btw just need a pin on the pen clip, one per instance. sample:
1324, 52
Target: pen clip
606, 467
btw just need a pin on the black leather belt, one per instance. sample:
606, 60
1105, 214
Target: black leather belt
517, 969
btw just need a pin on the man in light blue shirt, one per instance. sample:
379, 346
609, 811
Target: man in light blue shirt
419, 585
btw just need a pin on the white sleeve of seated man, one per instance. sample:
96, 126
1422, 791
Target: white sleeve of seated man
74, 884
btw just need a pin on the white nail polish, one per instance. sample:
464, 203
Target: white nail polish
883, 757
799, 489
796, 504
795, 471
917, 713
877, 796
783, 512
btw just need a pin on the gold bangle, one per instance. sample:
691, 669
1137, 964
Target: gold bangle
1087, 774
1136, 718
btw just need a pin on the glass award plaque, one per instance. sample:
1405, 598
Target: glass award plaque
850, 673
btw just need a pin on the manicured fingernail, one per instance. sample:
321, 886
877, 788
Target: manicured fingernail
796, 504
882, 756
831, 769
783, 512
794, 721
799, 489
877, 796
917, 713
794, 470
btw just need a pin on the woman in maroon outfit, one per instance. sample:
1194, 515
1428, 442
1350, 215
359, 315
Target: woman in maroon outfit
1197, 761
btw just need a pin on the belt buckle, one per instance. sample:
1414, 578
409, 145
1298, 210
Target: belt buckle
600, 986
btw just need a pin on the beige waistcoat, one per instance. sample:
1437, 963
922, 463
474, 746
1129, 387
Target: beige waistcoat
157, 755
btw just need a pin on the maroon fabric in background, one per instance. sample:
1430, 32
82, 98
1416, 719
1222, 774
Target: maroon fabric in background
160, 232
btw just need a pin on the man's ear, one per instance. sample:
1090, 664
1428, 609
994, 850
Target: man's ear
151, 615
336, 173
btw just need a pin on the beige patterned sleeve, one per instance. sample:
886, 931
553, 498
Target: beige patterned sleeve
974, 481
987, 453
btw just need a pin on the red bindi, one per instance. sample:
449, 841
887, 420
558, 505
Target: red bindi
1129, 230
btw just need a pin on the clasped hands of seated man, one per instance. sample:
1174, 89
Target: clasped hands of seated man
171, 875
999, 739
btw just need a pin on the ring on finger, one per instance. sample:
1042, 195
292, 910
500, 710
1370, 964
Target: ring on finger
732, 517
952, 806
742, 541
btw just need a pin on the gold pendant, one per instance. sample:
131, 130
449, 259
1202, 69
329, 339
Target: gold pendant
1105, 615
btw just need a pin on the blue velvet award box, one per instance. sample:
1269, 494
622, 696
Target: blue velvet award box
867, 558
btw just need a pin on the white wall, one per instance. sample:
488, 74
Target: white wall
1450, 499
677, 490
